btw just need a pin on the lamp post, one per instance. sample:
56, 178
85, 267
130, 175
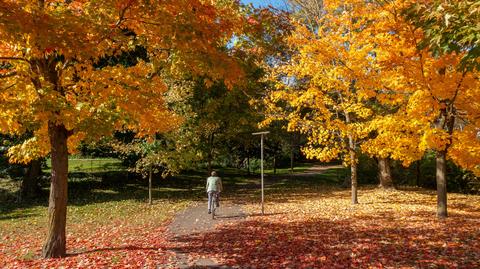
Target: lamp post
261, 162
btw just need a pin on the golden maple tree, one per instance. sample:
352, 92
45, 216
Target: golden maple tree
361, 55
324, 96
437, 99
54, 82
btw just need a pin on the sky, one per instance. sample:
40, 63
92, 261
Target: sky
264, 3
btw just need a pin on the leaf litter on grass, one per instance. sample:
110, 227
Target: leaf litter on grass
303, 228
118, 234
391, 229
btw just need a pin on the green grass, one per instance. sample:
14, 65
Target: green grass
286, 170
104, 201
95, 202
90, 165
8, 189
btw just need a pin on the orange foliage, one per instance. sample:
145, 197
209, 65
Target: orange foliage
51, 52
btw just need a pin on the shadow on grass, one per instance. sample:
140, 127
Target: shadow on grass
100, 187
18, 216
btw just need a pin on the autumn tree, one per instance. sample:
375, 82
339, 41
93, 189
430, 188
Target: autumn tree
307, 11
56, 87
31, 171
316, 15
436, 98
368, 52
322, 87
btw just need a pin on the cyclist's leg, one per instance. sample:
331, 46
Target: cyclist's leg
218, 199
210, 198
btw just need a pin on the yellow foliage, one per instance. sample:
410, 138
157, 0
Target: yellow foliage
29, 150
362, 75
436, 139
465, 149
397, 138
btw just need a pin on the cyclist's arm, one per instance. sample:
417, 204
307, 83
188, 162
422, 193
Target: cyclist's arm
206, 188
220, 185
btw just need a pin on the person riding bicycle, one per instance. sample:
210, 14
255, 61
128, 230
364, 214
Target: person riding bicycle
214, 187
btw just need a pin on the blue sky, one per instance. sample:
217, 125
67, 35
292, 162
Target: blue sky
264, 3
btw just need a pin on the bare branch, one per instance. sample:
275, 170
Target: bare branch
66, 64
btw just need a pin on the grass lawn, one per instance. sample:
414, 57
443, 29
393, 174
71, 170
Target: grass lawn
281, 171
109, 222
90, 165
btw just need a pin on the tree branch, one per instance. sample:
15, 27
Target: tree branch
458, 88
70, 132
14, 59
8, 87
121, 16
148, 22
11, 74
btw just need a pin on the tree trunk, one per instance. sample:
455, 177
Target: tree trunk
441, 176
292, 148
209, 165
353, 161
30, 187
274, 165
385, 174
441, 164
150, 187
417, 173
210, 153
353, 169
55, 245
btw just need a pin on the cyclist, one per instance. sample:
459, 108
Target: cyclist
214, 187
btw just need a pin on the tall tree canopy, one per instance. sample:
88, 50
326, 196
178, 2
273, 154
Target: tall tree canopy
55, 81
361, 75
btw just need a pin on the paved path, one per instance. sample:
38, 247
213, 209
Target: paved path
318, 169
196, 220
